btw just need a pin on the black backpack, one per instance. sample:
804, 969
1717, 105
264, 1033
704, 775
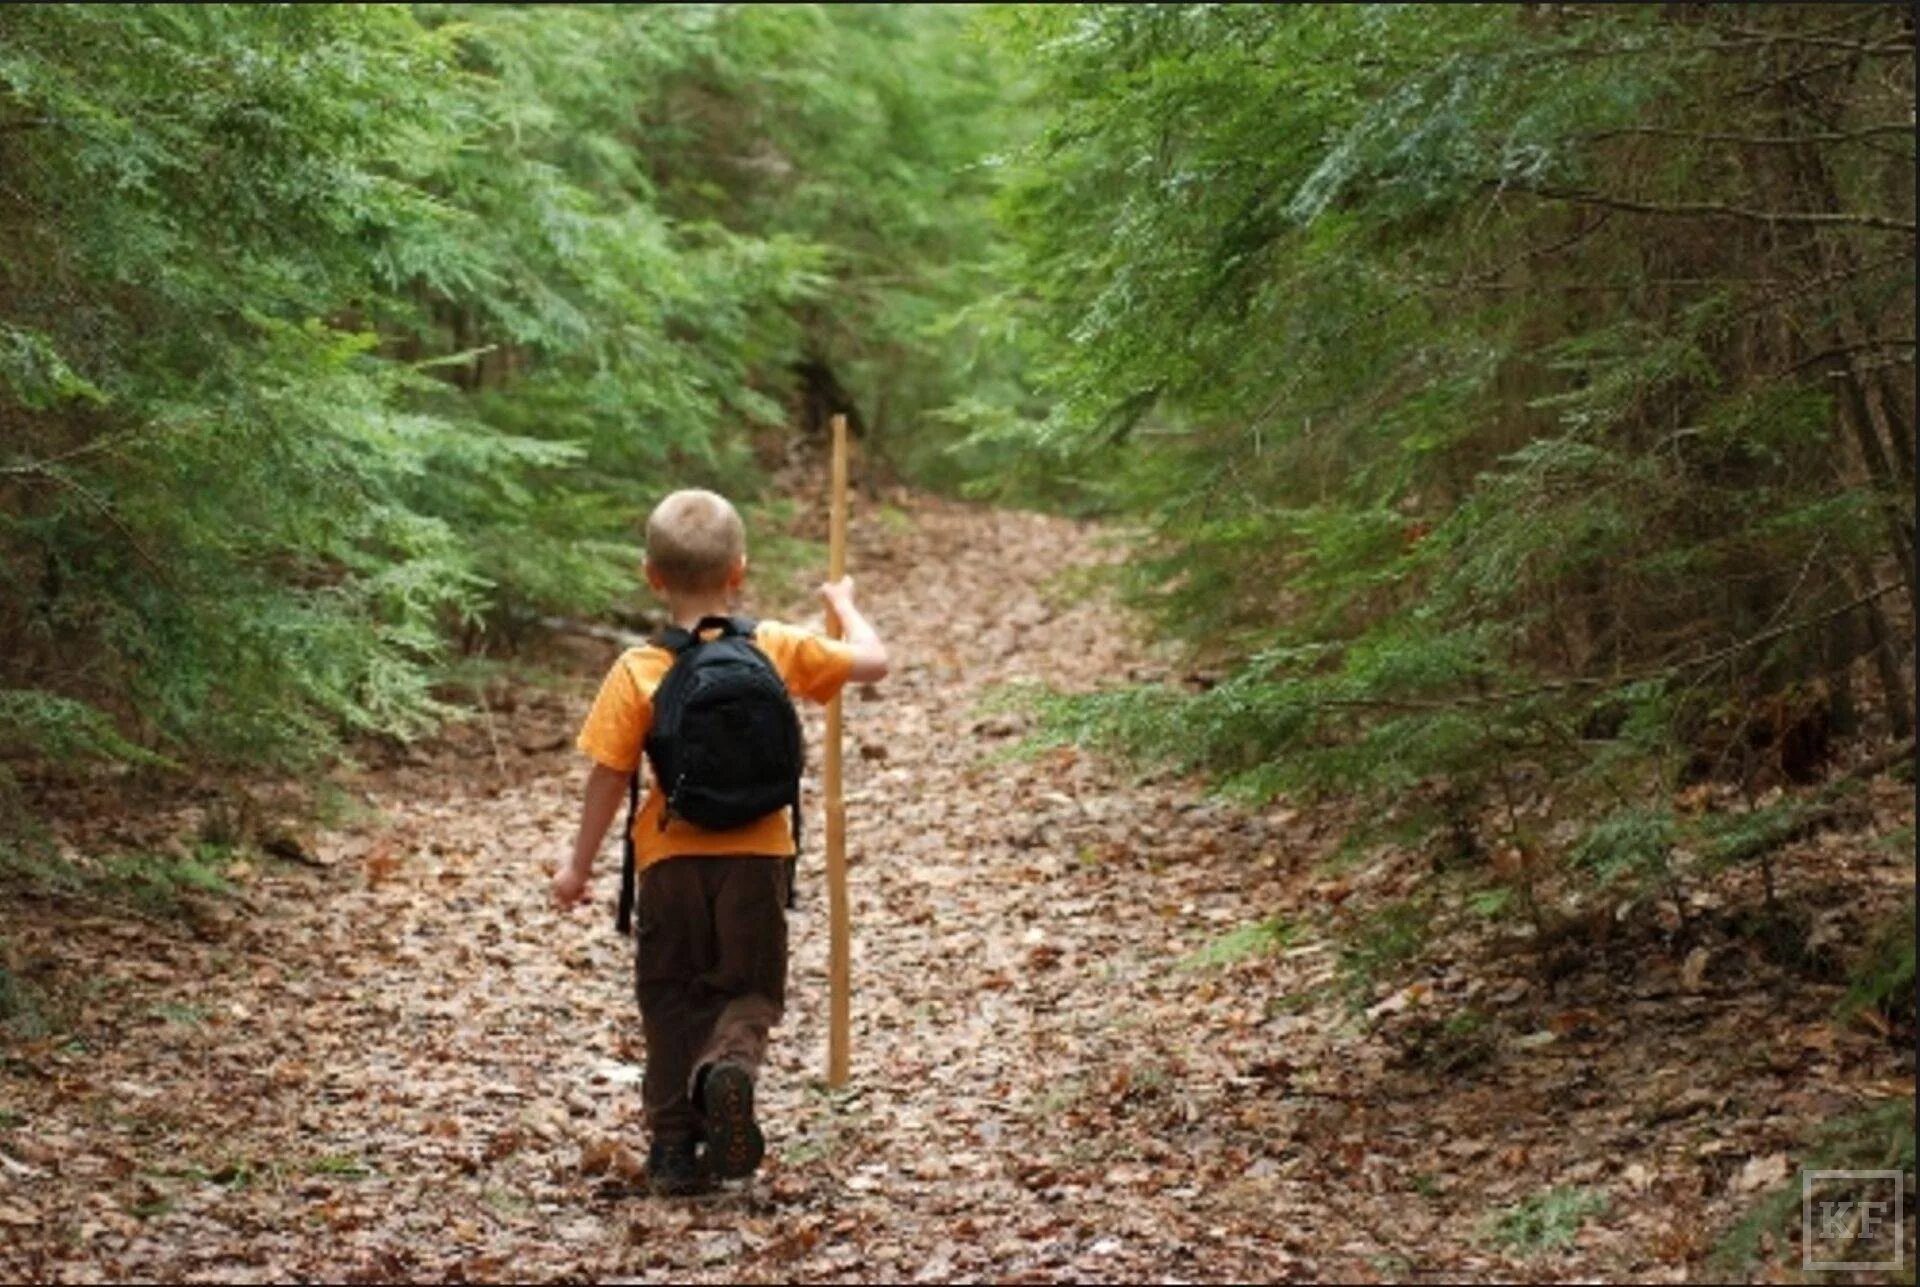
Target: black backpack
725, 743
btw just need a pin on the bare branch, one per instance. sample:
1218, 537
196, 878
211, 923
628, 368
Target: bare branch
1790, 77
1749, 36
106, 442
1899, 342
1716, 210
1881, 130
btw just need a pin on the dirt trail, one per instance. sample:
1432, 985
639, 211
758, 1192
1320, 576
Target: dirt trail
402, 1065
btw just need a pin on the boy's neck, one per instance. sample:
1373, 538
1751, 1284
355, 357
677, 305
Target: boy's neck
686, 613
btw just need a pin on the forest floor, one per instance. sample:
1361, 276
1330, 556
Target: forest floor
1073, 1056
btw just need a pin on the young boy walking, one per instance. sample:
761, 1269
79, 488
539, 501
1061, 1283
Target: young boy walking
711, 957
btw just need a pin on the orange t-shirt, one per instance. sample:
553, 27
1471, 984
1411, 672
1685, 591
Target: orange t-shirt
616, 731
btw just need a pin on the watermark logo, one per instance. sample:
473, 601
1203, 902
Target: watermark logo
1852, 1220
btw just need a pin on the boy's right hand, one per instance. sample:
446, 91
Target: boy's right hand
569, 886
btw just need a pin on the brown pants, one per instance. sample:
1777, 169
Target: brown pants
710, 973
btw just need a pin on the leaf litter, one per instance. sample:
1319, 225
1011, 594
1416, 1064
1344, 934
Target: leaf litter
1096, 1032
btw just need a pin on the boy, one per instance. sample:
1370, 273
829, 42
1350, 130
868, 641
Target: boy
711, 962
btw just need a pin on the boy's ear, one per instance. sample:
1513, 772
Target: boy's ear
737, 574
653, 578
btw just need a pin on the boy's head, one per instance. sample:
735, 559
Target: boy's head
696, 544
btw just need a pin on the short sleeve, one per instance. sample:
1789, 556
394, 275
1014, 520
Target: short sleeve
814, 666
616, 727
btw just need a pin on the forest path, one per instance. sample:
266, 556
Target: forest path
402, 1064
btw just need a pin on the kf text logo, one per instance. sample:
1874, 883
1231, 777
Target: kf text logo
1852, 1220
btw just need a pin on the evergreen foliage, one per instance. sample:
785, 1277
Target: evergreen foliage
328, 331
1517, 401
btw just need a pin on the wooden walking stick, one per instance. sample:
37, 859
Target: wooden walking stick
840, 937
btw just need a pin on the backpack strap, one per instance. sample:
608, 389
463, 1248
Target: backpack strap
629, 872
793, 862
629, 867
677, 639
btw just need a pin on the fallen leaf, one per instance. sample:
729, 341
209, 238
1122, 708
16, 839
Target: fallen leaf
1761, 1173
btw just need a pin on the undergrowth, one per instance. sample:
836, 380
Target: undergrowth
1883, 979
1880, 1138
1380, 946
157, 884
1262, 938
1546, 1221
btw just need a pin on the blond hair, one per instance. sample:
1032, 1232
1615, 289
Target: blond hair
694, 538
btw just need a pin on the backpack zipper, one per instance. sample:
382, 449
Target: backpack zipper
666, 811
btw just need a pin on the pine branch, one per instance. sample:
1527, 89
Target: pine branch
1822, 812
1579, 682
98, 502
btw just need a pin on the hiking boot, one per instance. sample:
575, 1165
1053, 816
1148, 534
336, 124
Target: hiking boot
673, 1169
734, 1142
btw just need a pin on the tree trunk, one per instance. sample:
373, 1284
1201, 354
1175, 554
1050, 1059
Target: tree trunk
822, 397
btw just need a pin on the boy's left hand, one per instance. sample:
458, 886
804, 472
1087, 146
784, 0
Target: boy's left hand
838, 595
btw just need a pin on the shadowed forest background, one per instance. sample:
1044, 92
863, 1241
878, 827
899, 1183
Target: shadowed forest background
1498, 424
